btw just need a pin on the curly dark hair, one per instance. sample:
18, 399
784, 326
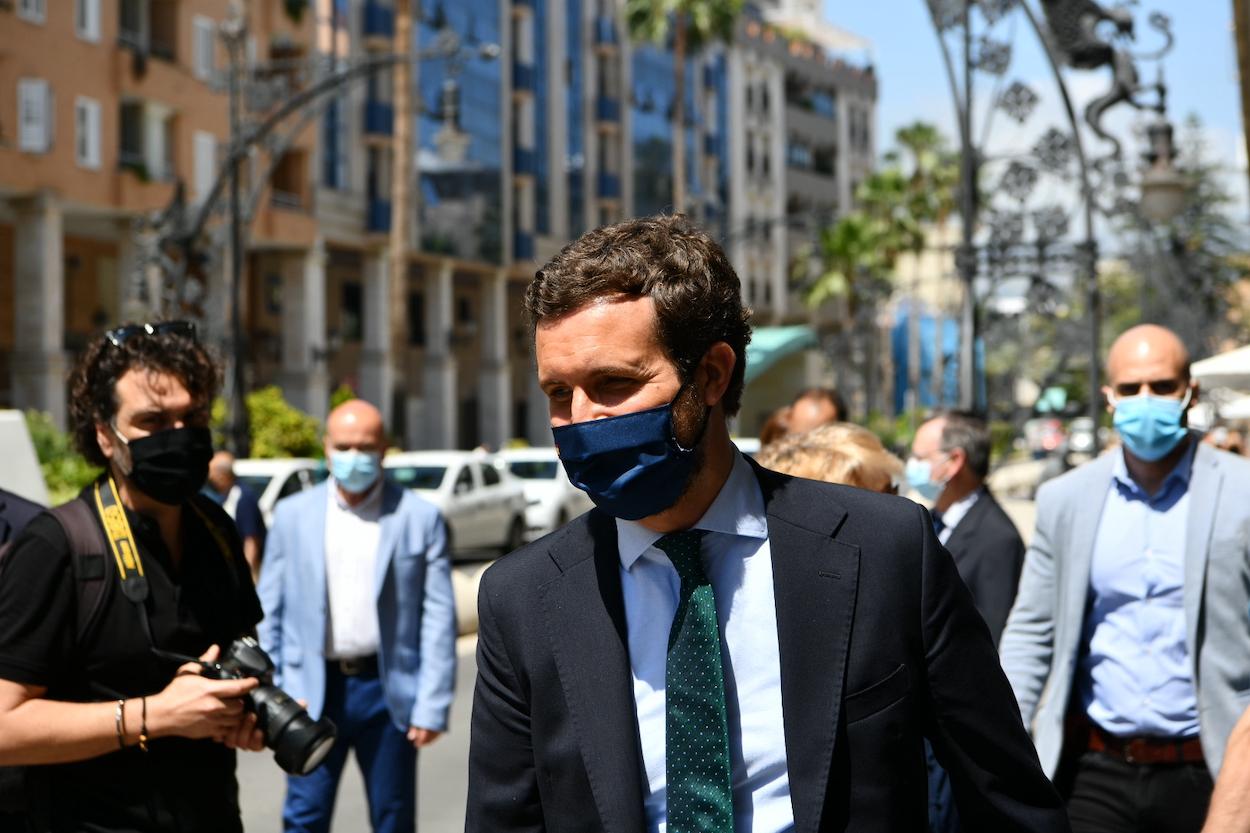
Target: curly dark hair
697, 295
93, 382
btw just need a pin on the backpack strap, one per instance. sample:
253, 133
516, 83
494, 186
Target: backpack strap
88, 560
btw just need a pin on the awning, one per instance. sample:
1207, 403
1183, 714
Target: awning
1231, 369
770, 345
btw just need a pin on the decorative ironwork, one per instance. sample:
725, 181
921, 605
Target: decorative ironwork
1018, 181
995, 10
1054, 151
1018, 101
1006, 229
948, 13
993, 56
1050, 223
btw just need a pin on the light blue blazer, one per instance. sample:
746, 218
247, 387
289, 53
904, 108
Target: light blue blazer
416, 608
1042, 644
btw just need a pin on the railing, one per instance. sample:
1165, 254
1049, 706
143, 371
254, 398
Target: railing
286, 199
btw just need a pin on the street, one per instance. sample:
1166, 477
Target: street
442, 772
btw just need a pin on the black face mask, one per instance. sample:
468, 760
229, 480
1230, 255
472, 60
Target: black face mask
170, 466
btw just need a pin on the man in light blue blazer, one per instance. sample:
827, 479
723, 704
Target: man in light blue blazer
1128, 646
360, 623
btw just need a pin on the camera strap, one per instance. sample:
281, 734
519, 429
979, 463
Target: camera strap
125, 553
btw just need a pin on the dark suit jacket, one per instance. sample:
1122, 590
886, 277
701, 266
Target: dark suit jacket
989, 555
15, 513
880, 647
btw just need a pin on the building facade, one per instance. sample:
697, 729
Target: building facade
566, 126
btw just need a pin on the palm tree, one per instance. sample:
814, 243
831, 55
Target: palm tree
689, 25
401, 176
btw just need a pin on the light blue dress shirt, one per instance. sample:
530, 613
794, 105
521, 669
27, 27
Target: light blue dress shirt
738, 562
1137, 674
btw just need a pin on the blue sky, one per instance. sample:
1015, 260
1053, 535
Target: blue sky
1201, 72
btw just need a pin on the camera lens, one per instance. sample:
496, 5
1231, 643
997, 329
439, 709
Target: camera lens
299, 743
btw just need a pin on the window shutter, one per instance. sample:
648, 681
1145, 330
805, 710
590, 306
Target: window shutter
87, 132
205, 163
34, 100
203, 48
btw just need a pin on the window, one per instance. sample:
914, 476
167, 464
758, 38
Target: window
132, 24
416, 319
204, 150
32, 11
87, 132
34, 115
490, 475
464, 481
353, 311
202, 47
87, 19
130, 145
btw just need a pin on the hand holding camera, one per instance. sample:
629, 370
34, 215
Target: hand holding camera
196, 706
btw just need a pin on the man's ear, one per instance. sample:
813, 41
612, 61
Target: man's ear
959, 458
1106, 397
715, 371
106, 440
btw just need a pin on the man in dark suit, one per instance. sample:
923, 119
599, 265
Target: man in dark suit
718, 647
15, 513
949, 463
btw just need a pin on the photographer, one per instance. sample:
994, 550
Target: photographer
113, 736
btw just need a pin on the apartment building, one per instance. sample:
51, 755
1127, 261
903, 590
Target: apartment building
106, 104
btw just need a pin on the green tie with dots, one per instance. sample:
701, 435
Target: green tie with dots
700, 793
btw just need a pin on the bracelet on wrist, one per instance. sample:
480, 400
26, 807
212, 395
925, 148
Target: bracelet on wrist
119, 723
143, 726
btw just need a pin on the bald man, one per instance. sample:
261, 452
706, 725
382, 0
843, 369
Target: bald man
240, 504
360, 622
812, 408
1129, 643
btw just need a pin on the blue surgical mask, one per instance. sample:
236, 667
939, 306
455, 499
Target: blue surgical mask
631, 465
1151, 426
355, 471
919, 474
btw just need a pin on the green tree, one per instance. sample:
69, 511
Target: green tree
65, 471
689, 26
278, 428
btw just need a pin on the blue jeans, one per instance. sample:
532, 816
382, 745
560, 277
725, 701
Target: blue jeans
387, 760
943, 815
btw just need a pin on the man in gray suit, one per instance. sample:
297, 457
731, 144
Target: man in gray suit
1129, 643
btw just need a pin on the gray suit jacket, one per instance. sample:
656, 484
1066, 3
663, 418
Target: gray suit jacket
1042, 644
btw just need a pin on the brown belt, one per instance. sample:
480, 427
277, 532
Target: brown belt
1146, 750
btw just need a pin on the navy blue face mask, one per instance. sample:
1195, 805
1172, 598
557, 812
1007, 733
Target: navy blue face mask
631, 465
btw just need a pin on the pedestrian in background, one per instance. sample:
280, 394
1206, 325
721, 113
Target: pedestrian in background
1132, 609
240, 504
360, 623
813, 407
836, 453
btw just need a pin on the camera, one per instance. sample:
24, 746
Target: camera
299, 743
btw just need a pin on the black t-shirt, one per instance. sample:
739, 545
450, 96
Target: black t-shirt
179, 784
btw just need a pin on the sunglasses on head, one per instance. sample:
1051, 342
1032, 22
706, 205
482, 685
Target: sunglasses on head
1157, 387
118, 335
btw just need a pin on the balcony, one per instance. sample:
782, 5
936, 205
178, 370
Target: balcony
379, 118
524, 161
522, 245
379, 20
609, 186
379, 219
607, 109
605, 31
522, 76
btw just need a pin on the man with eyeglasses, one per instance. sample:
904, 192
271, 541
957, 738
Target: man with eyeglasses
1129, 642
113, 736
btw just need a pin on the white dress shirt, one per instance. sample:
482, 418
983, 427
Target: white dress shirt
955, 513
351, 553
738, 562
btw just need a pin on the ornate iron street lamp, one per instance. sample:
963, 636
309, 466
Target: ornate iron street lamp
1068, 34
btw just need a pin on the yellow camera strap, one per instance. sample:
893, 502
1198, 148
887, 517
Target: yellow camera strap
121, 542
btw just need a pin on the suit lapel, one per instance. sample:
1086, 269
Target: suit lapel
1083, 526
815, 579
312, 555
1204, 492
967, 526
584, 612
390, 524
